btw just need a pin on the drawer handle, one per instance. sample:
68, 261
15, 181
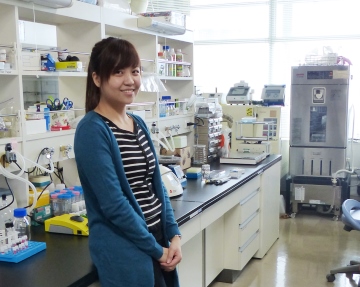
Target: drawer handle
247, 243
247, 221
250, 196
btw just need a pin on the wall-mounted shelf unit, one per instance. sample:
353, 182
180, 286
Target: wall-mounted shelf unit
78, 28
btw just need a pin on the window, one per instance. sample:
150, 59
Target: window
258, 41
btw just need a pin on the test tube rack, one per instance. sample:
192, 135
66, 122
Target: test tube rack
33, 248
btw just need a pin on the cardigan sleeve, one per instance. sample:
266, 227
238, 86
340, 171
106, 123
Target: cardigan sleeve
94, 149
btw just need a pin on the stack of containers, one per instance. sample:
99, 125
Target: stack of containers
67, 200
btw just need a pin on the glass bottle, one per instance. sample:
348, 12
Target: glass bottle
22, 222
7, 212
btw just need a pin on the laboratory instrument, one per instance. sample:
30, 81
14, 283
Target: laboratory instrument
208, 130
273, 95
252, 149
171, 182
240, 93
67, 224
318, 135
176, 169
233, 114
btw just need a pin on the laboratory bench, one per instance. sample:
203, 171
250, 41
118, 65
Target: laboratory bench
205, 214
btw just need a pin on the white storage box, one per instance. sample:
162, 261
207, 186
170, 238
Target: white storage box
35, 126
141, 114
167, 16
180, 141
119, 5
30, 61
37, 34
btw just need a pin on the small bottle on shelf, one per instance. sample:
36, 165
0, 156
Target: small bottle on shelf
161, 65
179, 67
167, 56
173, 59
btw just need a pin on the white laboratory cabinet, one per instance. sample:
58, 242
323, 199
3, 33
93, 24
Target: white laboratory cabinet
227, 235
78, 28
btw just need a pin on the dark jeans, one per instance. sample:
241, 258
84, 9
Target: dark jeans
162, 278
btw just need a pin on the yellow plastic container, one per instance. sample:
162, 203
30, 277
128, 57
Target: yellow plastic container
43, 200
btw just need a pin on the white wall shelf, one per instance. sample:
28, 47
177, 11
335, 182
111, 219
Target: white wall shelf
78, 28
50, 134
54, 74
9, 72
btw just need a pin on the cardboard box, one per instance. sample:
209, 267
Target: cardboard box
184, 153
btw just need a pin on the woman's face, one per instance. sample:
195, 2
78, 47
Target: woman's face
122, 86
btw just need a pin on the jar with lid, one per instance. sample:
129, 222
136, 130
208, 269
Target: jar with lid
64, 201
54, 204
22, 222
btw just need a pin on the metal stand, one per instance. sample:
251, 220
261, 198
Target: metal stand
318, 191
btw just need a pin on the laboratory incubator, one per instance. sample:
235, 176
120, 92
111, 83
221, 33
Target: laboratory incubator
318, 137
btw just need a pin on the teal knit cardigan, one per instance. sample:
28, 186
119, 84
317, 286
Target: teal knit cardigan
120, 244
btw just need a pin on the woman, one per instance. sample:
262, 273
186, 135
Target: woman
134, 239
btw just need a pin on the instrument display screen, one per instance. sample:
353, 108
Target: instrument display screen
238, 91
320, 75
273, 93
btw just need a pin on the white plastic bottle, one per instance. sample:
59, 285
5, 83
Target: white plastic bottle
173, 59
167, 56
179, 67
161, 65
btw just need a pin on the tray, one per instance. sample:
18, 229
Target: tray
33, 248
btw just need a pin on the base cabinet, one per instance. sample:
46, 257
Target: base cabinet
190, 268
269, 208
227, 235
214, 250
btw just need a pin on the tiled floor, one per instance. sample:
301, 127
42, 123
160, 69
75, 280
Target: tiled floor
309, 246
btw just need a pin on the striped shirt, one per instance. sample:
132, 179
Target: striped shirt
139, 166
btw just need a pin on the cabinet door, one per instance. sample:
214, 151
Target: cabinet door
191, 267
214, 250
269, 208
